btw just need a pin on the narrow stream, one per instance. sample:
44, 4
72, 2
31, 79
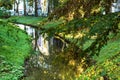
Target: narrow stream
36, 62
38, 65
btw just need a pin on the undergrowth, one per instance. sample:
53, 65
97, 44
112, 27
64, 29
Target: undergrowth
106, 65
14, 48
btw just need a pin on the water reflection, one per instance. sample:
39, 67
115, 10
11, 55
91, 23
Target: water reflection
38, 64
30, 31
39, 42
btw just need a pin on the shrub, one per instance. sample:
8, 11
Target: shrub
4, 13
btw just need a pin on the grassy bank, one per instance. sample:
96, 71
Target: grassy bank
28, 20
15, 46
106, 65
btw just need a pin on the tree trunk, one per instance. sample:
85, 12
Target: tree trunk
24, 7
52, 4
36, 8
17, 4
108, 6
14, 8
36, 38
49, 7
17, 11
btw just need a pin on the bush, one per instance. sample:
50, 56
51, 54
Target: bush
4, 13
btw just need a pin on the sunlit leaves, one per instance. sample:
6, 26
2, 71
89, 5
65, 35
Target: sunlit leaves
96, 28
107, 63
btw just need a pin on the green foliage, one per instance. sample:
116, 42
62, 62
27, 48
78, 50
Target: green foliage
6, 4
87, 38
4, 13
81, 8
95, 28
14, 48
106, 64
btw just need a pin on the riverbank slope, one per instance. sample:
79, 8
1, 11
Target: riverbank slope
15, 46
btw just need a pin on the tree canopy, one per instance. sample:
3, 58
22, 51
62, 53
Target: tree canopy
86, 18
77, 23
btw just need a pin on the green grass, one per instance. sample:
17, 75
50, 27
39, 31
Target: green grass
15, 46
29, 20
107, 63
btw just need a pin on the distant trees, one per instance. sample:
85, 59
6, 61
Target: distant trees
38, 7
6, 4
34, 4
15, 4
80, 8
4, 7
